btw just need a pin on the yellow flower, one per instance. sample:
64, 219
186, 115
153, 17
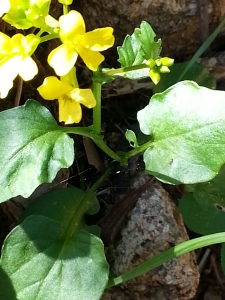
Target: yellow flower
76, 41
5, 6
15, 59
69, 96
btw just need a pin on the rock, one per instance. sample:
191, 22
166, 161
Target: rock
182, 25
153, 226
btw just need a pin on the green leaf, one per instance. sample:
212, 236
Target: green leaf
203, 208
146, 36
48, 256
33, 149
7, 291
60, 205
187, 124
42, 265
137, 48
131, 137
197, 73
201, 214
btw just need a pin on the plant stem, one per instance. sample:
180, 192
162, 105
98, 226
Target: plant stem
138, 150
88, 132
83, 206
39, 33
97, 109
49, 37
65, 9
124, 70
203, 48
167, 255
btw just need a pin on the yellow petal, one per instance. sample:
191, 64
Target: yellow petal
70, 78
98, 39
28, 68
20, 43
10, 66
91, 59
5, 6
52, 88
71, 25
5, 86
5, 44
83, 96
32, 43
62, 59
69, 111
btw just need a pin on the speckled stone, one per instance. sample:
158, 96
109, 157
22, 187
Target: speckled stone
153, 226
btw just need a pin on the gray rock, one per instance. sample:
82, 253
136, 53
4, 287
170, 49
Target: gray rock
153, 226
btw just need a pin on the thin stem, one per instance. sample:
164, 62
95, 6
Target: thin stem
49, 37
65, 9
167, 255
83, 206
203, 48
138, 150
18, 92
97, 109
96, 138
124, 70
39, 33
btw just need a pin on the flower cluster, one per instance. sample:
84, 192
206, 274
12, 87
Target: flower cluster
15, 59
69, 95
75, 41
15, 53
158, 66
24, 14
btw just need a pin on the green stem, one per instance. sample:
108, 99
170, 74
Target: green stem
97, 109
167, 255
65, 9
39, 33
96, 138
138, 150
49, 37
83, 206
124, 70
203, 47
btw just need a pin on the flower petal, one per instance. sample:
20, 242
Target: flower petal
71, 25
52, 88
62, 59
98, 39
19, 43
70, 78
69, 111
5, 6
5, 44
5, 86
10, 66
83, 96
28, 68
91, 59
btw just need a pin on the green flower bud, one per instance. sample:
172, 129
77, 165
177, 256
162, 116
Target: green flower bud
164, 69
150, 63
155, 76
158, 62
166, 61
